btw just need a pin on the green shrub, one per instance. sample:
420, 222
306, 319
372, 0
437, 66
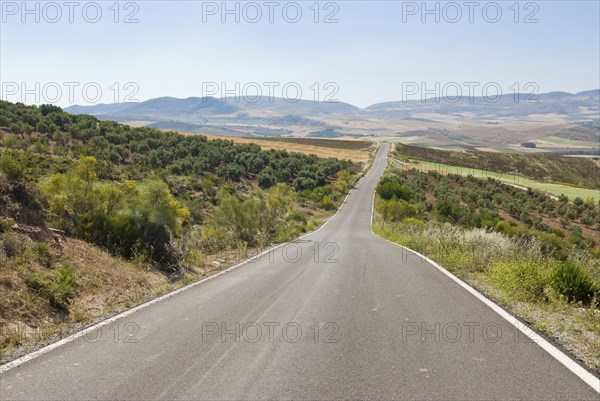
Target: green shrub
552, 245
388, 189
297, 217
257, 219
396, 209
11, 167
44, 256
524, 281
266, 180
12, 244
415, 222
505, 227
485, 218
57, 286
6, 224
241, 219
327, 203
450, 210
571, 280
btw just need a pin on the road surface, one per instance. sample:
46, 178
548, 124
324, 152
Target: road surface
355, 319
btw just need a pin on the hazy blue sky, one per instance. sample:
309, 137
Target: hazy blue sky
376, 46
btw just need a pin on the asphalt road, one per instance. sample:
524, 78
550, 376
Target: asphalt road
357, 319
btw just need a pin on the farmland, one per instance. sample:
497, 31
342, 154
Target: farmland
579, 172
354, 150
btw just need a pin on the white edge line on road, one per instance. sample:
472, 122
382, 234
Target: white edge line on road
563, 358
25, 358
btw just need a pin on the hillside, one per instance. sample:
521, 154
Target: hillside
583, 172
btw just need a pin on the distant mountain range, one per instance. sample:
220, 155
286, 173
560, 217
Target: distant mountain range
273, 117
202, 107
579, 105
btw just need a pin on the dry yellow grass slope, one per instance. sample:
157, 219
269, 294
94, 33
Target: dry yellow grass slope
358, 156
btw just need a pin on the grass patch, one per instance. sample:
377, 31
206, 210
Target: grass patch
57, 286
524, 281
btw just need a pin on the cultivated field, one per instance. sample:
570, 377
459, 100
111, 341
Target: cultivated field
355, 150
553, 189
579, 172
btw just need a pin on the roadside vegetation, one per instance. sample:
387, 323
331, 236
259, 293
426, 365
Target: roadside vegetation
536, 255
156, 209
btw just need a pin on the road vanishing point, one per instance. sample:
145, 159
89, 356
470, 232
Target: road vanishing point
337, 314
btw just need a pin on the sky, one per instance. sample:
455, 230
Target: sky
360, 52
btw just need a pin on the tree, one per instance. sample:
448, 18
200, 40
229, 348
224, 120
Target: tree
388, 189
21, 128
46, 109
266, 179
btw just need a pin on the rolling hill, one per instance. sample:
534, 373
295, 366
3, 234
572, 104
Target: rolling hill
475, 123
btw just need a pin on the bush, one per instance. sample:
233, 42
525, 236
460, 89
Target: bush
6, 224
297, 217
58, 286
505, 227
266, 180
525, 281
257, 219
552, 245
450, 210
388, 189
44, 256
570, 279
12, 245
125, 217
396, 209
327, 203
303, 183
415, 222
12, 167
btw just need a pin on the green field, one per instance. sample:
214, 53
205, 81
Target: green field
554, 189
560, 141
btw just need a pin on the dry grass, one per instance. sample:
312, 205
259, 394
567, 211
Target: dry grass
358, 156
103, 284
